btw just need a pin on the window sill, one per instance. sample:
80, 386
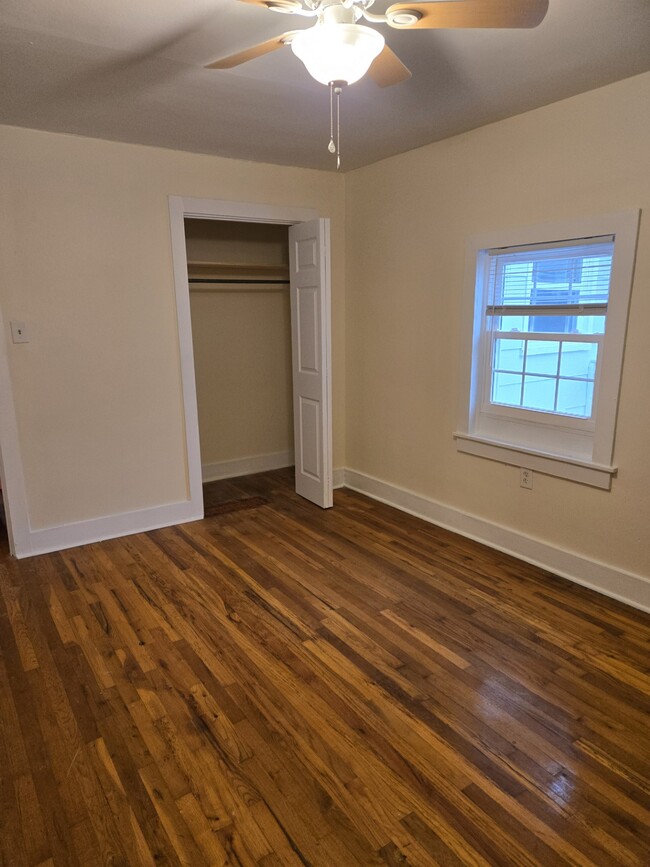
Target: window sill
585, 472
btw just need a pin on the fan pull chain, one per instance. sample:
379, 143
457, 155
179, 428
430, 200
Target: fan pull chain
335, 90
331, 147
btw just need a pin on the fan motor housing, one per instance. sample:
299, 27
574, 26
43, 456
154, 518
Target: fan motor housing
336, 13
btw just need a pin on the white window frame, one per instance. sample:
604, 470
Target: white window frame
564, 446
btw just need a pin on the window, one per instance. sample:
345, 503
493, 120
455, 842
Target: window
545, 320
544, 357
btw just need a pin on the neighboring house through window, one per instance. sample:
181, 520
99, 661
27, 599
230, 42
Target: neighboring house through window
547, 310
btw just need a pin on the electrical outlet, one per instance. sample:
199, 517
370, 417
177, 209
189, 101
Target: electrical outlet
525, 478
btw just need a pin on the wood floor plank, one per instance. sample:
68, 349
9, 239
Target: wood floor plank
285, 685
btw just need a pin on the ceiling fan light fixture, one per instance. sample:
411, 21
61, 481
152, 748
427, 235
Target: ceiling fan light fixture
337, 52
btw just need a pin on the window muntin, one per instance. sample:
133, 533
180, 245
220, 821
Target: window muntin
546, 375
544, 325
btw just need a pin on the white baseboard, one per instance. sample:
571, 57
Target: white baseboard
617, 583
97, 529
246, 466
59, 538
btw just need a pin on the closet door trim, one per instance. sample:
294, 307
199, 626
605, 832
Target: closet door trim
180, 209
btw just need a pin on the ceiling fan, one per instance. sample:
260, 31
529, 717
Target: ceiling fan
339, 49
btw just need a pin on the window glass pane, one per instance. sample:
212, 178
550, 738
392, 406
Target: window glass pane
511, 323
557, 324
509, 355
575, 397
542, 356
506, 388
590, 325
579, 359
539, 393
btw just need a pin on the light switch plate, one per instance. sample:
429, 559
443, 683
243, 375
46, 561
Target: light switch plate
19, 332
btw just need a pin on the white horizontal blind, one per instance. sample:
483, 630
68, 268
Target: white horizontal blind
576, 272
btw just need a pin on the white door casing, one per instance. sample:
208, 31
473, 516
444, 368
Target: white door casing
12, 479
309, 244
294, 217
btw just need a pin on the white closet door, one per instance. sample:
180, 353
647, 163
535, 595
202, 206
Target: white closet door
311, 349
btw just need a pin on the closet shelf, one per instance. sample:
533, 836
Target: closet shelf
235, 272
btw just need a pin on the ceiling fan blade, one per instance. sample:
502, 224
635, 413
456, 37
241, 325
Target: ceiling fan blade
471, 13
387, 69
278, 5
252, 52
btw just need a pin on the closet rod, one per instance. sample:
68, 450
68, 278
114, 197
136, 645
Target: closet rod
238, 281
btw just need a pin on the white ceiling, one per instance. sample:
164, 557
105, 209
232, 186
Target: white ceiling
132, 70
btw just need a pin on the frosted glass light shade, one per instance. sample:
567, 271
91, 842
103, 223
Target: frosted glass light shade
337, 52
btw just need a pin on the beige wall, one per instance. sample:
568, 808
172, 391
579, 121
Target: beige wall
242, 345
85, 259
408, 219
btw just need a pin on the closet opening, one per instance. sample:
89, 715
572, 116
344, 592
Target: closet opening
238, 279
309, 286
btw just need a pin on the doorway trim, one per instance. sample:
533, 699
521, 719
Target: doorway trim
180, 209
11, 465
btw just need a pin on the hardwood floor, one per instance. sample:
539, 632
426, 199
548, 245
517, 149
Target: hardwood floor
281, 685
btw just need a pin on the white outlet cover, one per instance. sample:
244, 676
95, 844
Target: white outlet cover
526, 478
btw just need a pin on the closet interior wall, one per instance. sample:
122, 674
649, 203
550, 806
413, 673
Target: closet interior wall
241, 331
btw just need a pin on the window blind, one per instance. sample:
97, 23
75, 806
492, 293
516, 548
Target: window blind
575, 273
